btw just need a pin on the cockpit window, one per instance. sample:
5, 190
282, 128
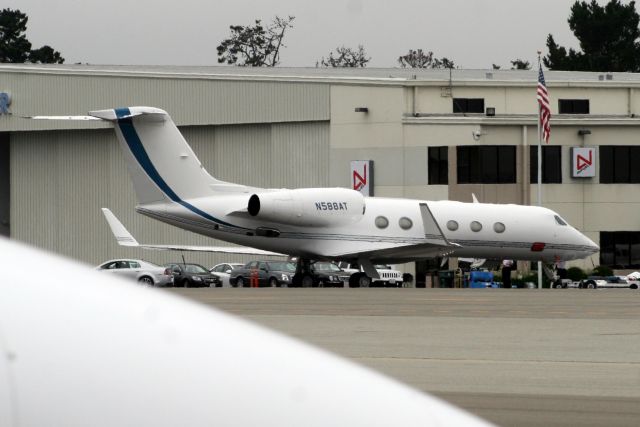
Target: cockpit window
559, 220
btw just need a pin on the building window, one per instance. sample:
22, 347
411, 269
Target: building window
438, 165
619, 164
491, 164
551, 164
468, 105
573, 106
620, 249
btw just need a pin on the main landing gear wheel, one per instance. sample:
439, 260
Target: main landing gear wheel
364, 281
359, 280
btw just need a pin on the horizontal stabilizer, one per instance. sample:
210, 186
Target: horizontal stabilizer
80, 118
143, 113
125, 238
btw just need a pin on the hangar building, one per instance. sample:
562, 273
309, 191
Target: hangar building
432, 134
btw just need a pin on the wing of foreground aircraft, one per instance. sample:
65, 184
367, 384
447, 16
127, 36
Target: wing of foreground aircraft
200, 359
125, 238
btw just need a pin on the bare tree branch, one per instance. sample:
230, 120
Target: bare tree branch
255, 46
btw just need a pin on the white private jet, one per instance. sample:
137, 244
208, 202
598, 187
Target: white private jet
172, 186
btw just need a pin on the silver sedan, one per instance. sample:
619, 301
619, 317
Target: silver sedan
144, 272
223, 270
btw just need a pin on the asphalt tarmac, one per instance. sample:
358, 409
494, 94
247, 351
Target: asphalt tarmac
516, 357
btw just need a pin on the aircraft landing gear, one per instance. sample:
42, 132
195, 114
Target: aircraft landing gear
359, 280
303, 278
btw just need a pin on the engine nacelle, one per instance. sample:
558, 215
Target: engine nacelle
309, 207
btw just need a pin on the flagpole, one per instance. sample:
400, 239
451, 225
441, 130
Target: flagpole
539, 174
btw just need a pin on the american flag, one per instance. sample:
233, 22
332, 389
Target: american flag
545, 111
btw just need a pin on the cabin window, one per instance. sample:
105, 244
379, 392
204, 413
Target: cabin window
382, 222
405, 223
551, 165
452, 225
559, 220
476, 226
499, 227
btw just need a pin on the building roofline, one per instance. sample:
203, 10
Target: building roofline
363, 76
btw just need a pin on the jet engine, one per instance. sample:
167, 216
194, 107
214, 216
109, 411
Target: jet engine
309, 207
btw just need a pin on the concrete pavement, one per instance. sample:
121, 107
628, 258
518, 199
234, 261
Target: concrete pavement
515, 357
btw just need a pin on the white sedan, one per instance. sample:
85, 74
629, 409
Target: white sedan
144, 272
223, 271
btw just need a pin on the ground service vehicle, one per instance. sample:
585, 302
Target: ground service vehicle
594, 282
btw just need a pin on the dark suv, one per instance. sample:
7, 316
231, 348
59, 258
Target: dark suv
263, 273
192, 275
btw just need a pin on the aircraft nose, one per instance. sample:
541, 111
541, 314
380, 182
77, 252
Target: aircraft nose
591, 246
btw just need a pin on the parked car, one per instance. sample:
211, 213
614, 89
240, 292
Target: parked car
566, 283
327, 274
593, 282
388, 276
633, 279
267, 273
222, 271
145, 272
192, 275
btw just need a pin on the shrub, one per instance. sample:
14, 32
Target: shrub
602, 270
576, 273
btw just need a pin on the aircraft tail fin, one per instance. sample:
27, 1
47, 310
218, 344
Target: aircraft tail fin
162, 165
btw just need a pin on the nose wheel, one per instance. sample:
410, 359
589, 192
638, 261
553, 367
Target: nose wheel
303, 278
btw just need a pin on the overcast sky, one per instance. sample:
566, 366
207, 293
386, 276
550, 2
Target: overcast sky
473, 33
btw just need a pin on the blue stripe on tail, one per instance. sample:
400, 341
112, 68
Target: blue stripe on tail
137, 149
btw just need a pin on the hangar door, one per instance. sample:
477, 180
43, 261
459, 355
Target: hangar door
5, 187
